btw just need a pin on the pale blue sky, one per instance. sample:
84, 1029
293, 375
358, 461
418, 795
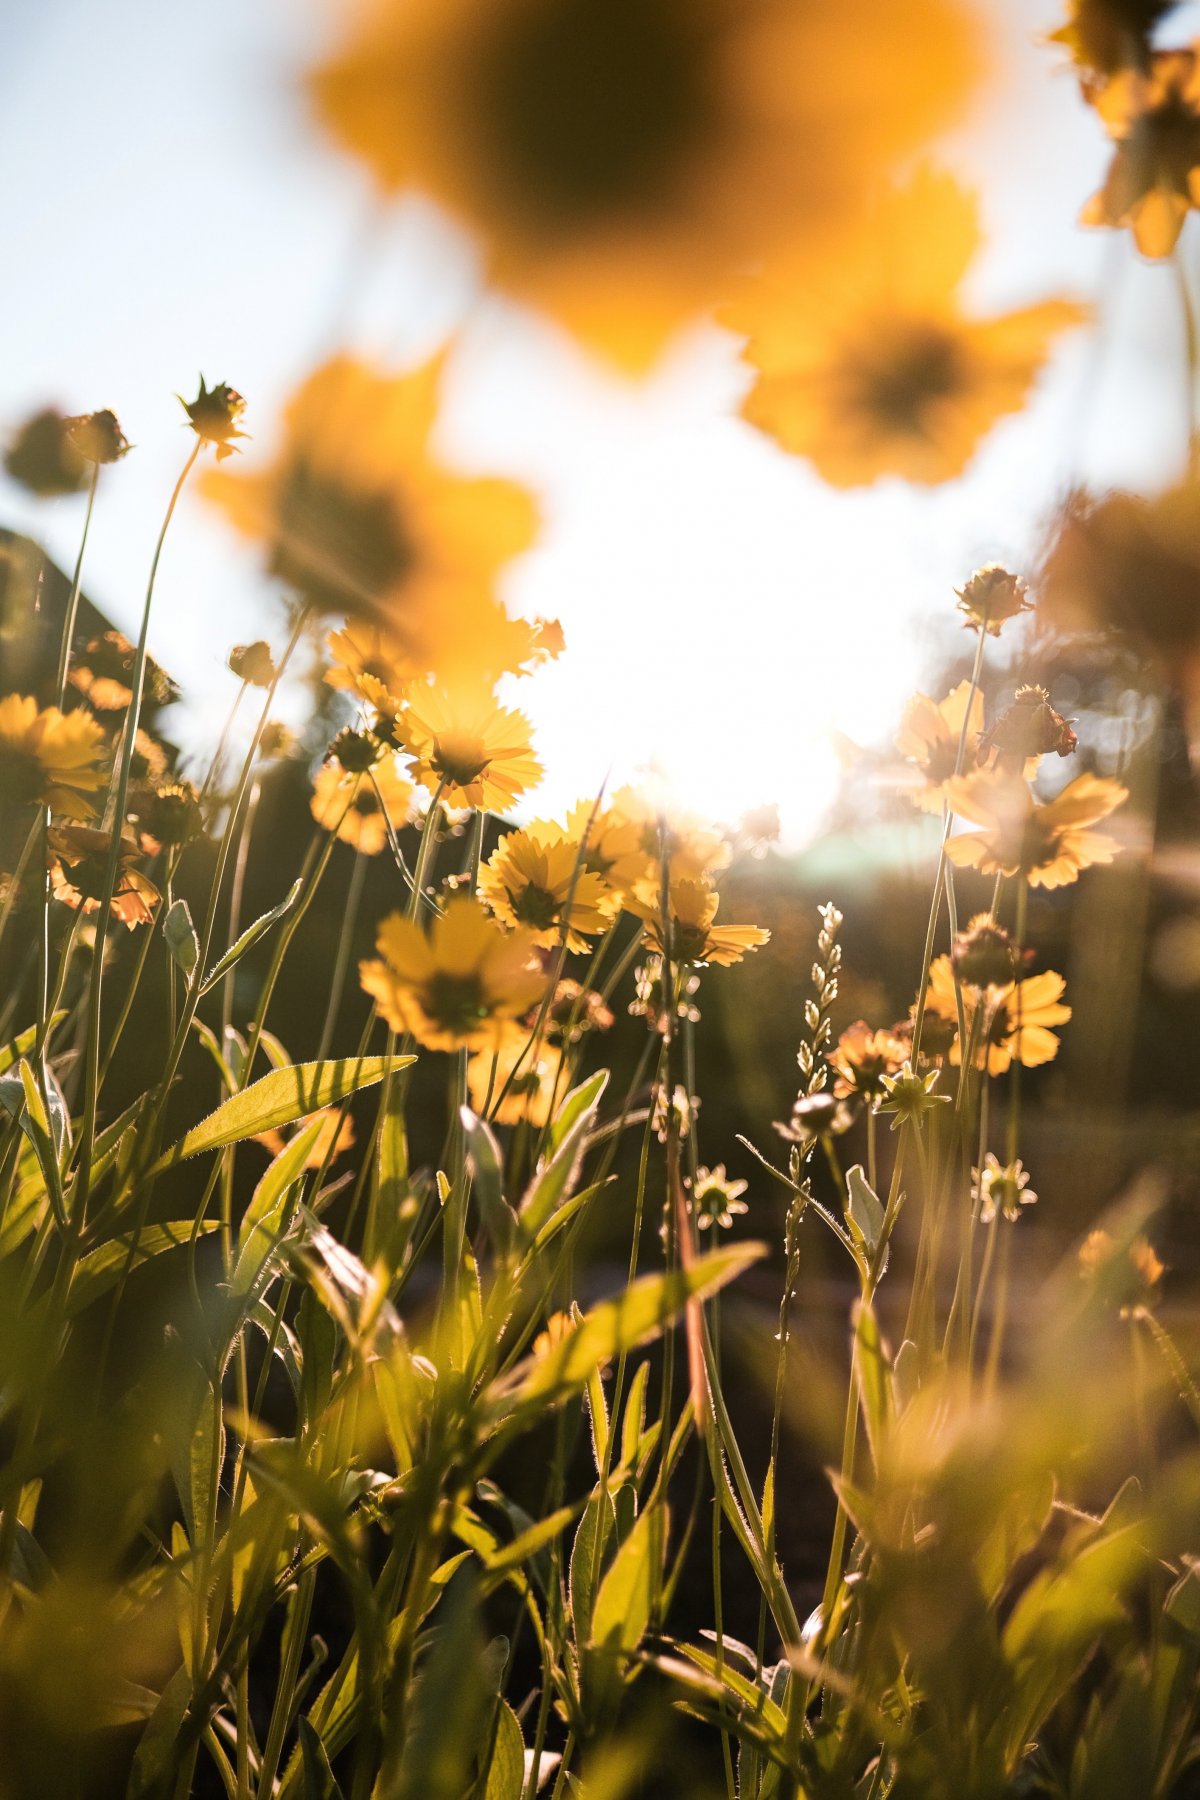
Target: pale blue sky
169, 209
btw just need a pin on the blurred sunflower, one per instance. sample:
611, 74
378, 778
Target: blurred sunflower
868, 366
1047, 844
459, 986
1035, 1003
1107, 35
621, 161
359, 805
612, 843
360, 518
78, 864
536, 877
50, 758
528, 1093
1153, 115
689, 934
929, 736
478, 752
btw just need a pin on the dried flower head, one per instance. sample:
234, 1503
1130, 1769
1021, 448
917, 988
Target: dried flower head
253, 663
1153, 116
98, 437
984, 955
863, 1057
1001, 1189
103, 672
1027, 729
991, 597
169, 816
215, 415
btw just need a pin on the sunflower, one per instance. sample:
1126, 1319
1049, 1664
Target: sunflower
863, 1057
621, 160
690, 932
1046, 844
78, 864
359, 805
868, 365
50, 758
360, 518
528, 1093
459, 986
1015, 1021
476, 751
929, 736
536, 877
1153, 116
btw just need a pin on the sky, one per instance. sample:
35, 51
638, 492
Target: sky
177, 212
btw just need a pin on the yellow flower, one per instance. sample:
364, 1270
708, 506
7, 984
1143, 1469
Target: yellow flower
459, 986
868, 366
370, 665
620, 160
78, 864
536, 877
1034, 1005
1047, 844
49, 757
863, 1057
695, 850
531, 1090
1154, 177
1106, 35
929, 735
478, 752
359, 517
613, 843
359, 806
690, 934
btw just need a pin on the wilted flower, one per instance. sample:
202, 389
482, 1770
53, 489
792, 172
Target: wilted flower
253, 663
717, 1199
459, 986
1047, 844
984, 955
104, 669
215, 415
1027, 729
50, 758
1001, 1188
991, 597
98, 437
868, 366
536, 877
78, 864
930, 734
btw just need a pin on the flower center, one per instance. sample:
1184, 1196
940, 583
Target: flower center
460, 760
588, 110
456, 1002
917, 367
535, 906
343, 549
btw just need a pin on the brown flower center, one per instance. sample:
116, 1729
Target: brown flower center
456, 1002
535, 906
918, 366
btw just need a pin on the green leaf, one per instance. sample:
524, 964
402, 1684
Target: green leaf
156, 1757
180, 935
599, 1516
319, 1783
874, 1377
263, 1219
629, 1591
633, 1423
102, 1269
23, 1044
555, 1181
644, 1309
279, 1099
487, 1174
43, 1118
250, 937
520, 1549
449, 1710
864, 1212
506, 1769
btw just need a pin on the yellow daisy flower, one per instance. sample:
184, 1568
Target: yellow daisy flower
48, 757
621, 160
348, 803
531, 1090
613, 843
1153, 116
536, 877
370, 665
929, 736
863, 1057
690, 934
1036, 1002
477, 751
460, 985
359, 517
1046, 844
695, 849
868, 366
